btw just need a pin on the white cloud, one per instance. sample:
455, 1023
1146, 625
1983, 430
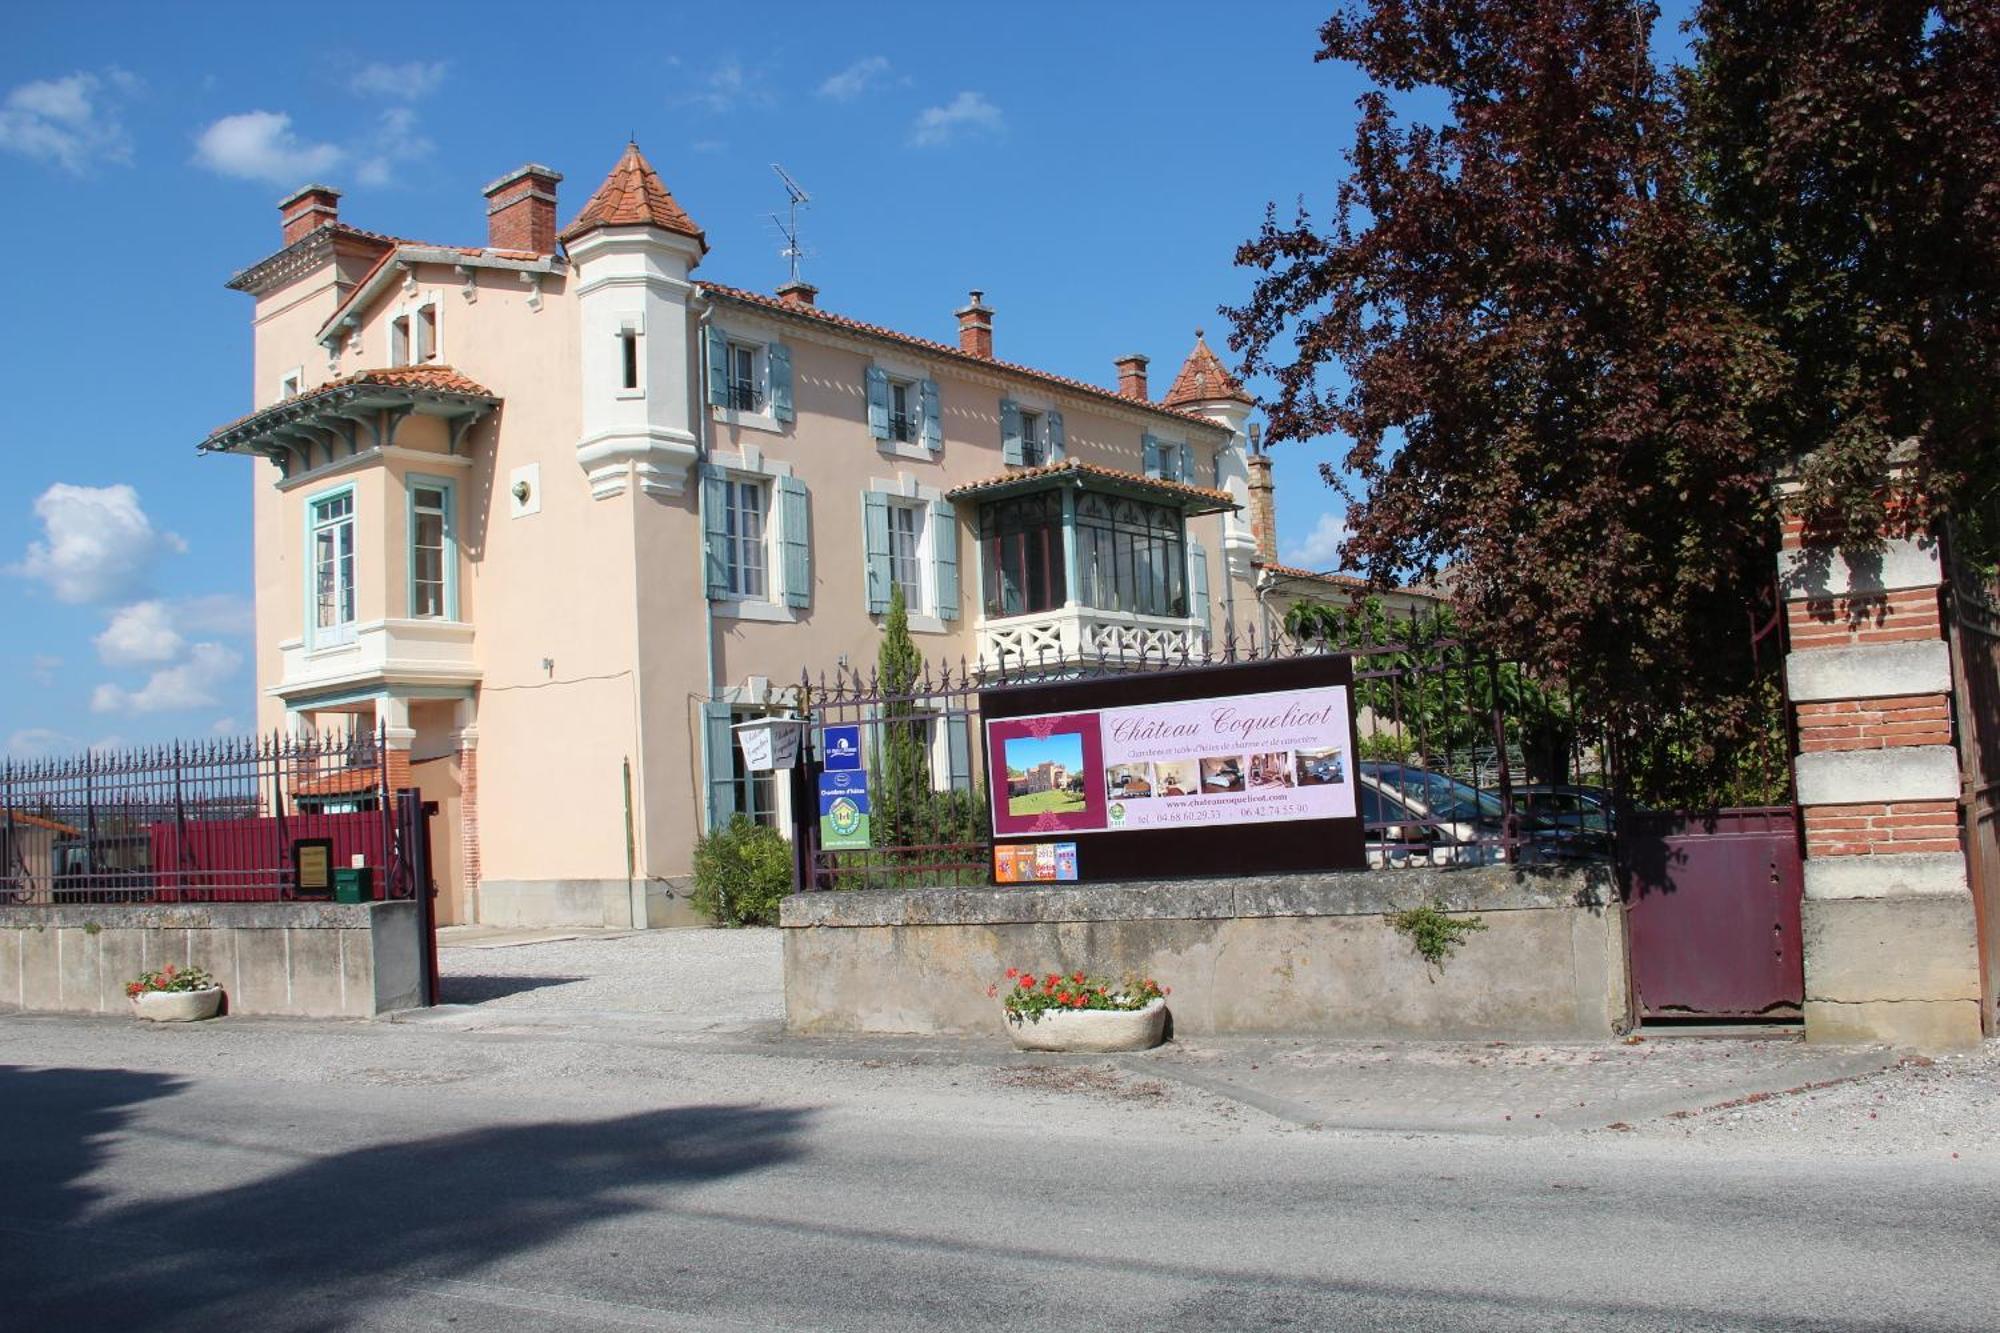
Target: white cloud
708, 146
194, 683
396, 139
141, 634
34, 743
225, 726
856, 79
406, 82
260, 146
1321, 548
43, 667
98, 545
966, 113
73, 122
728, 86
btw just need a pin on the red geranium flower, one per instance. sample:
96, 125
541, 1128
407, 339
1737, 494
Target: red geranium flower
1013, 972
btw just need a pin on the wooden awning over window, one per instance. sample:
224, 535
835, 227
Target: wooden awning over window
1072, 473
353, 414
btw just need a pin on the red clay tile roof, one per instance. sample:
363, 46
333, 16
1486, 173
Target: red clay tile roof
1294, 572
632, 196
360, 289
340, 782
814, 314
36, 821
1204, 378
439, 379
1217, 499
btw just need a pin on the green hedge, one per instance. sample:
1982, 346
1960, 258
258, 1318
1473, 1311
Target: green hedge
741, 873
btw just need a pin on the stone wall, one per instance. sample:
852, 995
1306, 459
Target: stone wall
1303, 954
307, 960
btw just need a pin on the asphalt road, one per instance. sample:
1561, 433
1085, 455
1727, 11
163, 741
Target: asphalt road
167, 1181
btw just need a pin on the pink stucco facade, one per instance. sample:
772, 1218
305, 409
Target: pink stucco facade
557, 418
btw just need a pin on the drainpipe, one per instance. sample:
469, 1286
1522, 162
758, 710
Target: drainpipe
701, 515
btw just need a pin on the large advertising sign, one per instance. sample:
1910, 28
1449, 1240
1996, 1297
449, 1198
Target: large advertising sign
1179, 771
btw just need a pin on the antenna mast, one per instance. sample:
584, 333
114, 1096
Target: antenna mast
790, 230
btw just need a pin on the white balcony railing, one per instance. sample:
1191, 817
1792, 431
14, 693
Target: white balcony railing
382, 652
1080, 633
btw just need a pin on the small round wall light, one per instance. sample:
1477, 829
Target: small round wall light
521, 492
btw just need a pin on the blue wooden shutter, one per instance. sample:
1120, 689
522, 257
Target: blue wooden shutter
721, 764
933, 418
796, 537
1198, 583
875, 545
718, 366
715, 519
1151, 449
778, 363
944, 551
878, 403
958, 752
1058, 441
1010, 431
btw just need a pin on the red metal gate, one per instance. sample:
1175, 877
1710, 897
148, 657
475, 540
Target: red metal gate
1712, 913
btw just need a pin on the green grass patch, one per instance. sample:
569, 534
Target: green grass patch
1042, 802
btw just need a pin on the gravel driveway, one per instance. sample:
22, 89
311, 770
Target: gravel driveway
724, 977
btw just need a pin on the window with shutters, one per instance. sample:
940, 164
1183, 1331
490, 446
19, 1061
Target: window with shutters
746, 532
902, 411
1034, 445
745, 379
906, 552
1021, 542
756, 793
1131, 556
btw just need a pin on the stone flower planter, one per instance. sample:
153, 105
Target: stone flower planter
1091, 1029
177, 1006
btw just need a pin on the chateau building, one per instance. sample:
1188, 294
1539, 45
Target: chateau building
554, 512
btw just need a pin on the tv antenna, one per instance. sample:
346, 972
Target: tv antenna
790, 229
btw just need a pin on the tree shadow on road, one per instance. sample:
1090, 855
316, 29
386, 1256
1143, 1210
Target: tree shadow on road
294, 1250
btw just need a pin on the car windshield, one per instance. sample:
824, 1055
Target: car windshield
1446, 798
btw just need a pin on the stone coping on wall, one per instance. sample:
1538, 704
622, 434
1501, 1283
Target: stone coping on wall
1338, 893
196, 916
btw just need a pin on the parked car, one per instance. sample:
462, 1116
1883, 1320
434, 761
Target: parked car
1574, 805
1416, 817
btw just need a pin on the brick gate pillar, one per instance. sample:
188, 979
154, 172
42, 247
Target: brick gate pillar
1890, 940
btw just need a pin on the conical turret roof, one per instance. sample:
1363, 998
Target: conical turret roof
1204, 379
632, 196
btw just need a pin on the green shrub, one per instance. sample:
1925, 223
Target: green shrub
741, 872
1434, 935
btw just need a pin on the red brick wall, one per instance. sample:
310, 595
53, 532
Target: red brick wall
1858, 830
1871, 724
468, 820
1896, 617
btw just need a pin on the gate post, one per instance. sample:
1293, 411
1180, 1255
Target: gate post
1888, 926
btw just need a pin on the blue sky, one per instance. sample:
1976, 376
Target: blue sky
1090, 167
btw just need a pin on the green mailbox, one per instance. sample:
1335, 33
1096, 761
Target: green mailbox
353, 884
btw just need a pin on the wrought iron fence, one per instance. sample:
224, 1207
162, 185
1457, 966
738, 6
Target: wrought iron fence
1464, 758
214, 821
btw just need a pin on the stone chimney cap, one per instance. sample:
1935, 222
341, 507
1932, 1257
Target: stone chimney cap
1132, 358
305, 190
976, 306
526, 169
799, 292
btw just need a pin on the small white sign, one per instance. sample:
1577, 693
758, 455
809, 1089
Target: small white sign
769, 743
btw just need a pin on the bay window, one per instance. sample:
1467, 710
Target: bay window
330, 538
1022, 541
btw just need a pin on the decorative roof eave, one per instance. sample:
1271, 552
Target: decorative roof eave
348, 416
1074, 473
397, 263
835, 326
303, 255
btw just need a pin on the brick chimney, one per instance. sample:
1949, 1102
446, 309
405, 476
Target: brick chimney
975, 328
521, 210
309, 209
1132, 376
799, 292
1263, 499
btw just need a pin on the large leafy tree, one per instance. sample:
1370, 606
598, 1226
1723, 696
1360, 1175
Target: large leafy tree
1849, 151
1520, 322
